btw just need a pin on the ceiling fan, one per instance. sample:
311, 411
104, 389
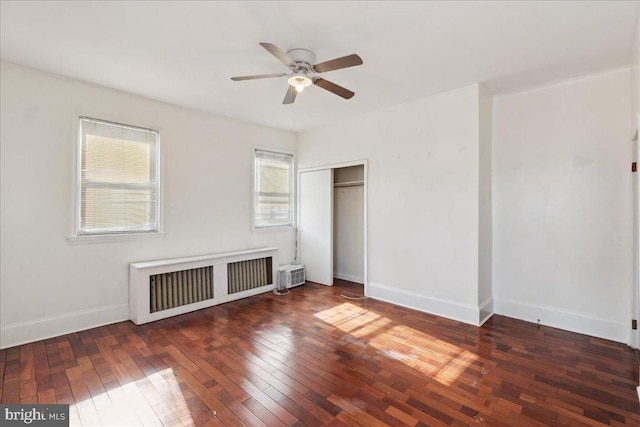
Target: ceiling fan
303, 70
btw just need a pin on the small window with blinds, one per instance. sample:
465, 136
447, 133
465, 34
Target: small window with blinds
118, 179
273, 189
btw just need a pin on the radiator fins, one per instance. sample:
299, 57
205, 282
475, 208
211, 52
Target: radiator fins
177, 288
249, 274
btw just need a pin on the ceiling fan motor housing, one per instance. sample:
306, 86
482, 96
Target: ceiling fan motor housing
304, 58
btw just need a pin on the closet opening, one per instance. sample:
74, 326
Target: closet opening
348, 224
332, 224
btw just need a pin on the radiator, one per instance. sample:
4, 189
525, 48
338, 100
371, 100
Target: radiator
164, 288
249, 274
169, 290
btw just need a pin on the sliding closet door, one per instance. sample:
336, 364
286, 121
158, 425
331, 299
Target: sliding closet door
316, 225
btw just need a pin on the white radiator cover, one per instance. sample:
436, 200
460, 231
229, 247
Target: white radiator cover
141, 272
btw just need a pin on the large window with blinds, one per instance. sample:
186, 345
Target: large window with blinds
118, 179
273, 189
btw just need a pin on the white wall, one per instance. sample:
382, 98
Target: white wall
635, 76
50, 287
561, 192
423, 181
562, 224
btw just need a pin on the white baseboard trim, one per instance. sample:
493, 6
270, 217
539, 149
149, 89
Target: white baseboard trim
634, 339
349, 278
20, 333
451, 310
485, 310
574, 322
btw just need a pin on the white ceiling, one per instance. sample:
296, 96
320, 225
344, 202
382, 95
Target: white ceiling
185, 52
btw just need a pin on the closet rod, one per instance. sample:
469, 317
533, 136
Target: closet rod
348, 184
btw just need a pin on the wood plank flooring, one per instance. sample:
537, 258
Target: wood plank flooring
315, 358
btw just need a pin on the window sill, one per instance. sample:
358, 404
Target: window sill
273, 229
107, 238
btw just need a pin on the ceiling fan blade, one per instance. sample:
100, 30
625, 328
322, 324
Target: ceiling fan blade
333, 88
290, 96
338, 63
260, 76
278, 53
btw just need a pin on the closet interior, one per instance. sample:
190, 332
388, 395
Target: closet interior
348, 223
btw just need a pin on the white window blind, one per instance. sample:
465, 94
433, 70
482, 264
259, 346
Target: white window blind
273, 184
118, 179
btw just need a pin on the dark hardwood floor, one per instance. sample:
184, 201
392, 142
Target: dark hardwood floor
314, 358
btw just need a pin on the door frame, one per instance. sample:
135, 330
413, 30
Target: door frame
365, 164
634, 341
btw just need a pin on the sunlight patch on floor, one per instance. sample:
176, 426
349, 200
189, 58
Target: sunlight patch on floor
135, 403
438, 359
353, 319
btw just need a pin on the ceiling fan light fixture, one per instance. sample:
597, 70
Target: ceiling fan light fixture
303, 69
299, 81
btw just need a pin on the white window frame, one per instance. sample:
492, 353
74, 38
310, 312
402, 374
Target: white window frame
76, 236
292, 191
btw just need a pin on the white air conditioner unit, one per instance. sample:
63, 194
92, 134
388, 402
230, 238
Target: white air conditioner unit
290, 276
